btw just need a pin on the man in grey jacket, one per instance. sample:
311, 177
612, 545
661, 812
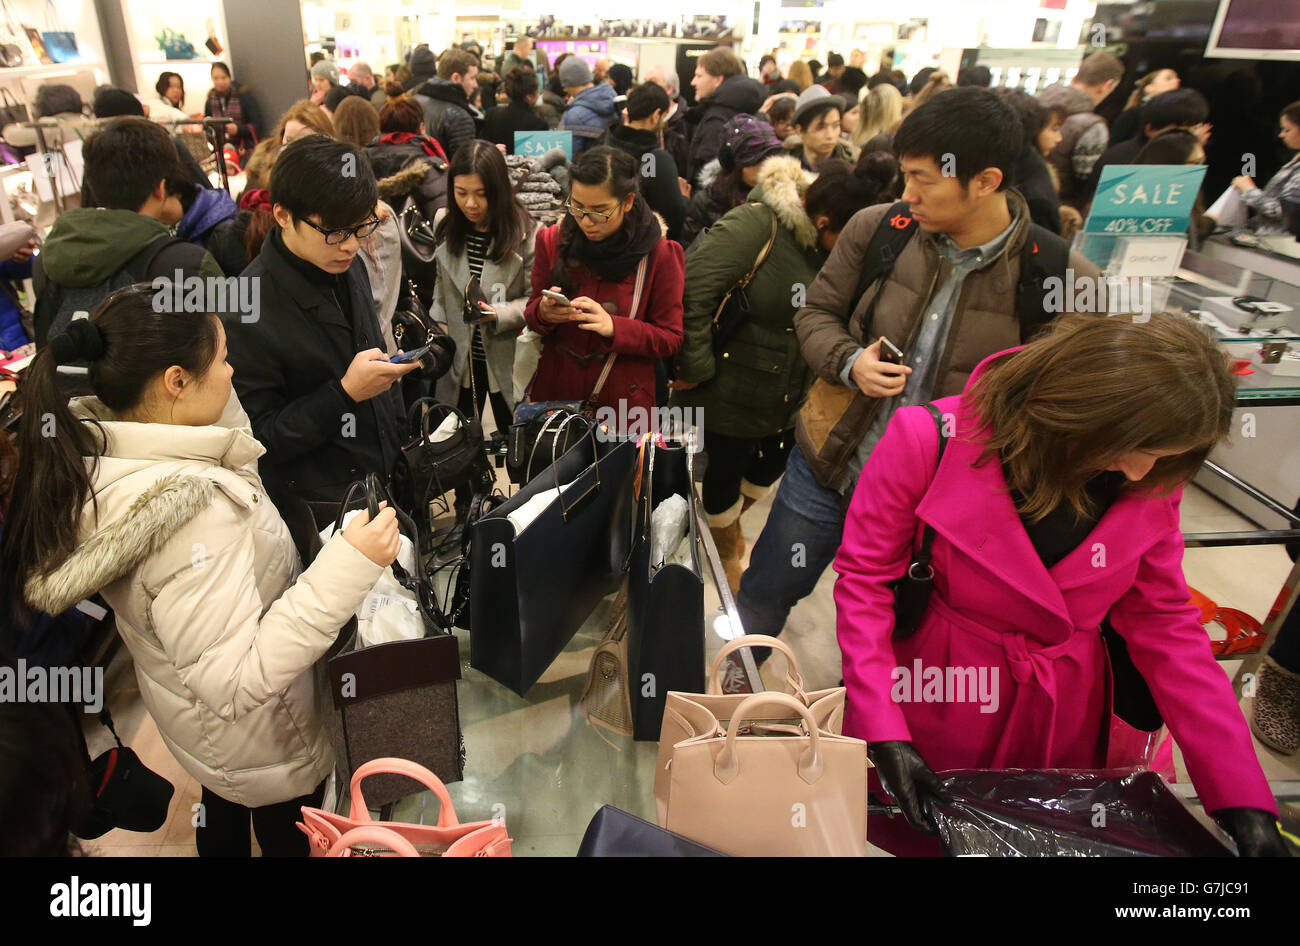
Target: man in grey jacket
948, 302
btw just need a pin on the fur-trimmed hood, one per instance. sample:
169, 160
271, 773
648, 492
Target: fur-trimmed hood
404, 181
118, 548
781, 186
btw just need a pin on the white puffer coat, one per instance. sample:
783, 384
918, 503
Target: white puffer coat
200, 571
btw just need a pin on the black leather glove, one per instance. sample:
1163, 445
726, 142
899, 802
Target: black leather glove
909, 780
1254, 830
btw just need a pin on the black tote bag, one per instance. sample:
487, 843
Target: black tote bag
531, 591
665, 617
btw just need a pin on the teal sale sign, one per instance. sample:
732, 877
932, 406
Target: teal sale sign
1144, 199
536, 143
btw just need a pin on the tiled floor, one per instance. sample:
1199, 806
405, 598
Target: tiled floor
537, 762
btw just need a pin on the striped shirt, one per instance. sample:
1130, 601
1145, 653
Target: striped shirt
476, 247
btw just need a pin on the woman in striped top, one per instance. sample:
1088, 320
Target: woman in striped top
485, 232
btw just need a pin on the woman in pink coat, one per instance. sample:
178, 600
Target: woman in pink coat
1106, 418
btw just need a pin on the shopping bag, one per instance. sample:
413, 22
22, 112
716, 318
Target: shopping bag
447, 837
1068, 813
60, 44
541, 561
615, 833
771, 794
665, 615
396, 699
687, 715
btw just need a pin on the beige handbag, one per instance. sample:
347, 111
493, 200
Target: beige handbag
771, 795
687, 715
606, 699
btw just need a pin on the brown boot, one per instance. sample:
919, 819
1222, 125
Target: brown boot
725, 528
750, 494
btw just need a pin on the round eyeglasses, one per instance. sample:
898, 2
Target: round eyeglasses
335, 237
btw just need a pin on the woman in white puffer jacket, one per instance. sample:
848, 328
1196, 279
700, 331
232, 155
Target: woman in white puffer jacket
149, 494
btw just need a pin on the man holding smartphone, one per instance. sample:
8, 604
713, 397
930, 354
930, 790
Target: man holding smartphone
310, 368
947, 302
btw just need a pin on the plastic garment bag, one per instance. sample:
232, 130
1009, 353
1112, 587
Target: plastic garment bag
1069, 813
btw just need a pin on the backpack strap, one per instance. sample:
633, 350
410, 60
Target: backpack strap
1044, 255
138, 266
892, 234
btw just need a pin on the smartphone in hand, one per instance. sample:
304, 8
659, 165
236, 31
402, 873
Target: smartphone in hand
558, 298
414, 355
890, 353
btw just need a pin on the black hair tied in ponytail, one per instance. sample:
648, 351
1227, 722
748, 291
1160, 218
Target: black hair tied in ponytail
126, 344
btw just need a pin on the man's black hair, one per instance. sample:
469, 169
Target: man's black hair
920, 79
644, 99
126, 160
1179, 107
978, 128
318, 175
978, 76
1034, 116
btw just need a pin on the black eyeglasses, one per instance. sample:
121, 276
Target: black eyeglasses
601, 215
335, 237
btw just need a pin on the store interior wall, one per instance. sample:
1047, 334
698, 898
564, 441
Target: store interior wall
267, 52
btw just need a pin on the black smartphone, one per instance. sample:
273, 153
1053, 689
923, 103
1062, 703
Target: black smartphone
889, 352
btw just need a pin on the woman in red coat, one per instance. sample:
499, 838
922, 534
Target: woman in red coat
1054, 507
593, 257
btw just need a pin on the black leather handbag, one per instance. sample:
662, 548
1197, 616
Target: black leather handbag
531, 588
415, 232
413, 328
665, 614
912, 590
733, 310
426, 468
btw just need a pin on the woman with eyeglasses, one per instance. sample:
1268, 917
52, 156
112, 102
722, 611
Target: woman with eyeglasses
609, 241
310, 366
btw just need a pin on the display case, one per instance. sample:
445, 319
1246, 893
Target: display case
186, 39
60, 43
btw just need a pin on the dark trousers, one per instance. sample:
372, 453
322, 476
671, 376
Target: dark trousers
225, 829
760, 460
500, 406
1286, 645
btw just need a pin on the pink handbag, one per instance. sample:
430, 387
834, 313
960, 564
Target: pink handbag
447, 838
346, 846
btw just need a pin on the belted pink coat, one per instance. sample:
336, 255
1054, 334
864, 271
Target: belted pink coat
995, 606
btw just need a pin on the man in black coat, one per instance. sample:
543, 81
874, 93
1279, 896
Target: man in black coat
309, 363
722, 90
647, 104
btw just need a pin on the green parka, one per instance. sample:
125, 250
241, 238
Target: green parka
755, 386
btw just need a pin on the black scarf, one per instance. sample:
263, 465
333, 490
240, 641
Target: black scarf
614, 258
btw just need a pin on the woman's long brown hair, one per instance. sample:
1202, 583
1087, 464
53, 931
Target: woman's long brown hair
1094, 388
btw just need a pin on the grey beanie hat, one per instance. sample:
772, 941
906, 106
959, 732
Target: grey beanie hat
423, 62
326, 69
574, 71
812, 102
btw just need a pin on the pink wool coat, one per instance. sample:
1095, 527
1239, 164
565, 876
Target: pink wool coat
996, 608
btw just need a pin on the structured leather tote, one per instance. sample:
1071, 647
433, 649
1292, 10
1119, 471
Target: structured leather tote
771, 794
687, 715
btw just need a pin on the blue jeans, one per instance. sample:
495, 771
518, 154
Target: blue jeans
799, 540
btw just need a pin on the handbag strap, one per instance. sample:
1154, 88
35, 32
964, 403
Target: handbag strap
922, 559
359, 812
609, 362
762, 255
793, 679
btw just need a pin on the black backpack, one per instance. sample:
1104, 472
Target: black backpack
56, 304
1044, 255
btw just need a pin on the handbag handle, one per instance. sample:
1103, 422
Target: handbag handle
590, 402
372, 834
546, 425
412, 770
727, 765
793, 679
595, 464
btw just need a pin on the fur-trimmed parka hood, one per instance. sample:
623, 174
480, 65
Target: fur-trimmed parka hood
404, 181
781, 186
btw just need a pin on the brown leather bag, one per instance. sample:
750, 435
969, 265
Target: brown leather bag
769, 794
687, 715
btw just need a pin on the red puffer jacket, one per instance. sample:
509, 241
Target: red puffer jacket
572, 357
